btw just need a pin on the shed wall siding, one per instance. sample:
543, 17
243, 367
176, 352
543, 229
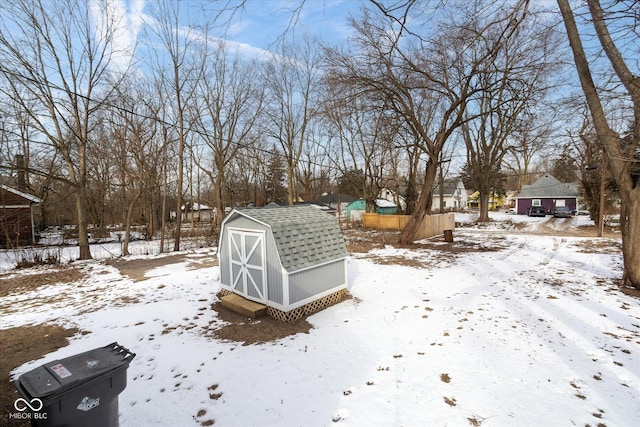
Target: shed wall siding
316, 280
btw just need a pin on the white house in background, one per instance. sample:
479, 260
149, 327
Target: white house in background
454, 195
199, 211
393, 197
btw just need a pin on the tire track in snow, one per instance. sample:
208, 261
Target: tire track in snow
557, 245
555, 319
522, 245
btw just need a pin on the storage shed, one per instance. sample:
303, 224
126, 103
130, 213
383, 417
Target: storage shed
16, 217
291, 259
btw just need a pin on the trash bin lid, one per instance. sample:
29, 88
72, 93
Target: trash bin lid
61, 375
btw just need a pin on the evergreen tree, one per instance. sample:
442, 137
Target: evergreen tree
275, 174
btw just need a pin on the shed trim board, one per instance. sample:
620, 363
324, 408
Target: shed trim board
304, 301
243, 277
314, 266
285, 292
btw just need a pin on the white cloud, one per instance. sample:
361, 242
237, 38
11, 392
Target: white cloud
127, 18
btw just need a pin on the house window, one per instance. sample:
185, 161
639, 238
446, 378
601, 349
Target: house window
536, 202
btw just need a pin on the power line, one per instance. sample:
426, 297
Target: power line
331, 165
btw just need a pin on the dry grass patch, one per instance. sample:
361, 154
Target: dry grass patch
397, 260
360, 240
599, 246
12, 283
21, 345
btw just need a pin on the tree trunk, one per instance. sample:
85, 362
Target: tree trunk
484, 206
441, 185
291, 190
410, 230
630, 227
618, 163
179, 184
127, 227
83, 232
163, 221
220, 205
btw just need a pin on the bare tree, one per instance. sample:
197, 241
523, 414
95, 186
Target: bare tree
531, 138
622, 146
513, 83
57, 55
364, 142
134, 130
230, 103
427, 80
583, 152
100, 169
292, 79
245, 176
177, 74
313, 173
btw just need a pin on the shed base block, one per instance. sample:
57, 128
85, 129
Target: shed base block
244, 306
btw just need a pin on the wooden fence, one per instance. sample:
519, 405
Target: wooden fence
384, 222
432, 225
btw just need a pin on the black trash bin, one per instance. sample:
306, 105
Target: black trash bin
78, 391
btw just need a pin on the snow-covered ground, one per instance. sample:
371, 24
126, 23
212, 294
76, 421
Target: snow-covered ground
514, 329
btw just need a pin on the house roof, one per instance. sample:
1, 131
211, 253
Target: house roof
29, 197
384, 203
304, 235
335, 198
547, 187
196, 207
450, 186
381, 203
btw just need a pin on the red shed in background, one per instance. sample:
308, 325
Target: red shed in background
16, 217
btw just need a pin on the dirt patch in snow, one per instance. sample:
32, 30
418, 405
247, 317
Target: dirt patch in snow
249, 331
566, 227
137, 269
359, 240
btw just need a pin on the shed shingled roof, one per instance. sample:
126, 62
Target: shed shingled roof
304, 235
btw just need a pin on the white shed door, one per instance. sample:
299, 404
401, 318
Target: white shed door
247, 264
